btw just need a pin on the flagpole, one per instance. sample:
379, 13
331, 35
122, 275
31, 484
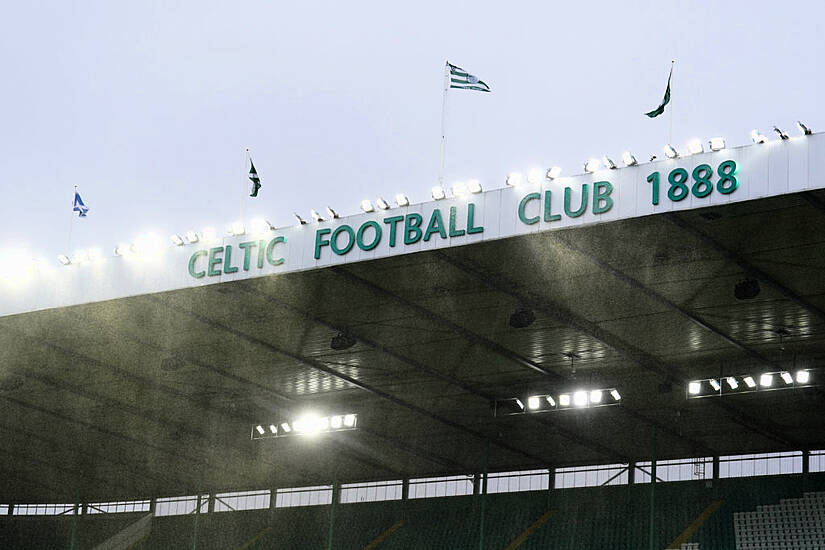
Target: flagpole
243, 183
71, 219
443, 123
670, 130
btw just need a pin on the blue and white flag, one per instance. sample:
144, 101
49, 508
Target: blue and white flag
79, 207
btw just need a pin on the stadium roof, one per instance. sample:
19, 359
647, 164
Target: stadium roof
155, 393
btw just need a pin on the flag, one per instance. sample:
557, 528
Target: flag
253, 177
661, 108
462, 80
79, 207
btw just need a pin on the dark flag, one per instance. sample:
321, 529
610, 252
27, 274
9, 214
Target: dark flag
253, 177
661, 108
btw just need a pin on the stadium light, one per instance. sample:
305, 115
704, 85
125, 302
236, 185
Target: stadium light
596, 396
366, 206
716, 143
122, 249
260, 429
260, 226
615, 395
564, 400
749, 381
553, 173
695, 147
671, 152
786, 377
191, 236
299, 219
438, 193
349, 420
628, 159
715, 384
63, 259
766, 380
176, 239
732, 383
533, 402
694, 388
514, 179
474, 186
802, 377
592, 165
401, 200
307, 424
332, 213
608, 163
782, 134
535, 176
551, 400
273, 429
336, 422
382, 204
757, 136
237, 228
285, 427
804, 129
460, 189
580, 398
316, 216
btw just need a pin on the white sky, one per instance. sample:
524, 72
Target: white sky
148, 106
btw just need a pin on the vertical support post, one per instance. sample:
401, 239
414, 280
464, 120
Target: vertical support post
551, 483
483, 495
715, 467
405, 489
631, 473
443, 123
652, 533
336, 490
152, 504
197, 516
75, 512
806, 461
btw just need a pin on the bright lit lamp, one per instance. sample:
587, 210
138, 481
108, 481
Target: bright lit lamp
694, 387
474, 186
717, 143
514, 179
366, 206
553, 172
766, 380
670, 151
802, 377
695, 147
438, 193
757, 136
749, 381
628, 159
382, 204
580, 398
592, 165
533, 402
564, 400
401, 200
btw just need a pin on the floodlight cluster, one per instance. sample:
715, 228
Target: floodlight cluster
576, 399
308, 424
749, 383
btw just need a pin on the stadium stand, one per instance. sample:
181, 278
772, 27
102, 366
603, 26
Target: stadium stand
796, 523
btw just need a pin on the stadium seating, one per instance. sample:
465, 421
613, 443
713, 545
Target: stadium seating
795, 523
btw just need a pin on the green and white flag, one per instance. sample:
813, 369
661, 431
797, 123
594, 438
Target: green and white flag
462, 80
661, 108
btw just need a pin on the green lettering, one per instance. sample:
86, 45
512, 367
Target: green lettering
601, 197
359, 237
523, 205
261, 254
575, 213
471, 212
213, 261
333, 241
192, 260
548, 212
247, 253
270, 246
412, 231
227, 262
392, 221
453, 231
320, 241
436, 225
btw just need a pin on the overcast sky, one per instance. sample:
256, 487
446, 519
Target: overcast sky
148, 106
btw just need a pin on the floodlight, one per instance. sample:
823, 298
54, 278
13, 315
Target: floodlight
260, 429
63, 259
209, 234
564, 400
758, 137
366, 206
323, 423
316, 216
401, 200
191, 236
260, 226
534, 176
592, 165
533, 402
349, 420
766, 380
273, 429
332, 213
94, 255
715, 384
514, 179
580, 398
460, 189
336, 422
694, 387
749, 381
553, 172
551, 400
122, 249
786, 377
732, 383
237, 228
804, 129
474, 186
382, 204
176, 239
608, 163
781, 133
670, 152
802, 376
716, 143
628, 159
285, 427
695, 147
438, 193
299, 219
616, 395
596, 396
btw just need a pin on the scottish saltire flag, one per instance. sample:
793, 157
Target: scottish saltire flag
661, 108
462, 80
253, 177
79, 207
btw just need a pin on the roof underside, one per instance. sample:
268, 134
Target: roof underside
91, 410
